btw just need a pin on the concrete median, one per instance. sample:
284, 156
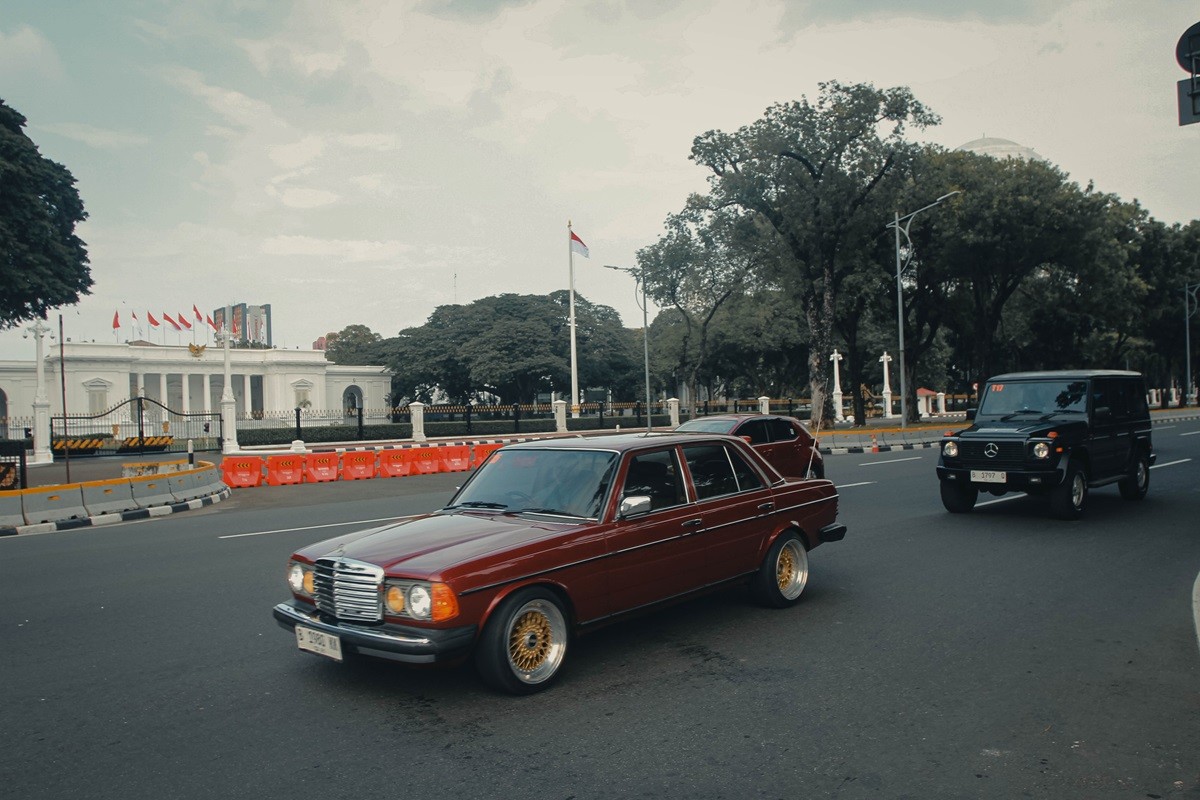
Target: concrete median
107, 497
53, 504
12, 513
151, 491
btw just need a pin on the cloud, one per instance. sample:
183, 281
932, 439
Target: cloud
92, 136
342, 249
25, 51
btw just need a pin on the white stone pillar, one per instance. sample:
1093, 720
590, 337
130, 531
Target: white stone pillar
941, 404
141, 384
885, 359
417, 415
673, 410
246, 405
228, 404
162, 388
560, 415
42, 453
836, 358
186, 407
207, 393
764, 405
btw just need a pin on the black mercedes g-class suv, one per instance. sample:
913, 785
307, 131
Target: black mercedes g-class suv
1051, 433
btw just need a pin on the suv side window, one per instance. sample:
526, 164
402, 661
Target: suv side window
781, 430
756, 429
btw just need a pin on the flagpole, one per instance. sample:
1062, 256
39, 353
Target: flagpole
571, 324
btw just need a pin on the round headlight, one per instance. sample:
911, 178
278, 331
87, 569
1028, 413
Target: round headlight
296, 578
395, 599
420, 604
950, 449
1041, 450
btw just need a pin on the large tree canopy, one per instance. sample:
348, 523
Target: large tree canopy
43, 264
356, 345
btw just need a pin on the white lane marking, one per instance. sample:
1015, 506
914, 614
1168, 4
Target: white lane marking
315, 527
892, 461
1171, 463
850, 485
1196, 606
1190, 433
1163, 427
1004, 499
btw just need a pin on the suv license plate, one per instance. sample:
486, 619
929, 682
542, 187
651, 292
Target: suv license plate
988, 476
323, 644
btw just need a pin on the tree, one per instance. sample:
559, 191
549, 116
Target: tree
809, 170
44, 264
355, 345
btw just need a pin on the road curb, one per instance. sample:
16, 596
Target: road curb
110, 519
1196, 607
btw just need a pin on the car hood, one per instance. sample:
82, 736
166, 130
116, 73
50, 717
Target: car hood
428, 545
1021, 428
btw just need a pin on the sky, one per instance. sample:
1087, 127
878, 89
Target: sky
363, 162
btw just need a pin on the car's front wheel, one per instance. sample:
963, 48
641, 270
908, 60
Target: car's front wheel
524, 642
958, 498
783, 574
1135, 486
1067, 500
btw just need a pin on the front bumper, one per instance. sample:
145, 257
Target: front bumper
1016, 480
394, 642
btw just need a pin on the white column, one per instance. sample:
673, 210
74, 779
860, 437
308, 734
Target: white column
141, 384
42, 454
764, 405
560, 415
836, 358
246, 394
228, 404
885, 359
186, 408
941, 405
416, 413
207, 393
673, 410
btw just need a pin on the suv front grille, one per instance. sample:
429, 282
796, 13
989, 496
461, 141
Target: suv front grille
349, 589
1009, 454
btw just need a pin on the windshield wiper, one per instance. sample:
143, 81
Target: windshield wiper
477, 504
556, 511
1007, 417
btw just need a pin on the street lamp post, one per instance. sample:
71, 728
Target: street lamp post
907, 220
1190, 305
42, 454
640, 278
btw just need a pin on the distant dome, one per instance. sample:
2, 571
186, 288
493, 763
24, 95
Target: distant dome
1000, 148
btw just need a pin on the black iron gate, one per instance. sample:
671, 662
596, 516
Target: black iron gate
139, 425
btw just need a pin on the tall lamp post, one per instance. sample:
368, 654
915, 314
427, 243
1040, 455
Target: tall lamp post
1190, 304
907, 220
41, 404
641, 279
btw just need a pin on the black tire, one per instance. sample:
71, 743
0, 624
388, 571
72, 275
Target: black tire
783, 574
524, 643
1068, 499
958, 498
1137, 484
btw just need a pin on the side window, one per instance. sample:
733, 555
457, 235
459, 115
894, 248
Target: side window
1138, 405
657, 475
781, 430
747, 477
712, 474
756, 430
1102, 398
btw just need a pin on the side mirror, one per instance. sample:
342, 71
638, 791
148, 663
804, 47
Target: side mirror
1103, 412
971, 414
634, 505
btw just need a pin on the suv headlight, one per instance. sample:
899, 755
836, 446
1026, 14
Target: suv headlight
1041, 450
950, 449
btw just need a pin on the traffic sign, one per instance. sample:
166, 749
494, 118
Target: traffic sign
1187, 52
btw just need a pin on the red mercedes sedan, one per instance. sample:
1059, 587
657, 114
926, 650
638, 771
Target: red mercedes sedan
554, 538
783, 441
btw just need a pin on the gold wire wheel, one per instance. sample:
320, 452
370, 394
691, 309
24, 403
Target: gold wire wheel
791, 569
536, 641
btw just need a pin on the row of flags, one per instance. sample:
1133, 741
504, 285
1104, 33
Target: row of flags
179, 322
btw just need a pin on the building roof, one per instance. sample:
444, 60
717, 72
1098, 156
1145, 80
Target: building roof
1000, 148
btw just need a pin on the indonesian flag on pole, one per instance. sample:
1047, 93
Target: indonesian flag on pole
183, 321
210, 322
577, 246
116, 320
167, 318
152, 320
196, 311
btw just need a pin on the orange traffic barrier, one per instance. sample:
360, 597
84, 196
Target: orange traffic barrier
393, 464
320, 467
424, 460
358, 464
238, 472
482, 451
283, 470
455, 458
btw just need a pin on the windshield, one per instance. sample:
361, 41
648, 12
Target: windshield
1034, 398
559, 482
707, 426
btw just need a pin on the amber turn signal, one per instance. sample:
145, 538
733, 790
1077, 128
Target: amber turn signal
445, 604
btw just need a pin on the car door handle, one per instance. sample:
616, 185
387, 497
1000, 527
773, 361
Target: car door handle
693, 523
766, 507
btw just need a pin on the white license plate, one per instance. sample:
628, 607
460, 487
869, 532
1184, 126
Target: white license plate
324, 644
988, 476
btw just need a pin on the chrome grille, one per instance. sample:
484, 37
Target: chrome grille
349, 589
1009, 454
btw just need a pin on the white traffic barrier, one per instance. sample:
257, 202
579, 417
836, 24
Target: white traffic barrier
11, 513
107, 497
53, 504
151, 490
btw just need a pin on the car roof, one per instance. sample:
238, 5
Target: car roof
1066, 374
740, 417
620, 442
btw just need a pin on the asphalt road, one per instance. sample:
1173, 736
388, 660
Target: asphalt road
999, 654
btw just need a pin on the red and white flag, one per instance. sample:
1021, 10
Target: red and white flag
153, 321
167, 318
196, 311
210, 322
116, 320
577, 246
183, 321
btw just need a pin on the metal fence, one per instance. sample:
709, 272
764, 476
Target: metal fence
138, 425
16, 427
